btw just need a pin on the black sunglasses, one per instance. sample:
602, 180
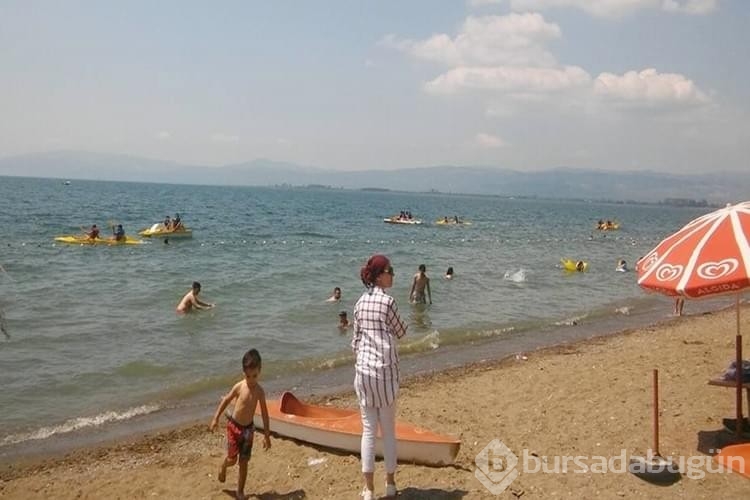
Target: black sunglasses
390, 271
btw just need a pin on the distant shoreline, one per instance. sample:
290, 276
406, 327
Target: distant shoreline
669, 202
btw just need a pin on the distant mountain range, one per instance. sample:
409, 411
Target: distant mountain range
572, 183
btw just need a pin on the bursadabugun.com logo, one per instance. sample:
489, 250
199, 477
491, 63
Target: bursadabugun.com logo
498, 466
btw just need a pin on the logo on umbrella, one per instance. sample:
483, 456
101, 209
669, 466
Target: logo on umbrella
716, 270
668, 272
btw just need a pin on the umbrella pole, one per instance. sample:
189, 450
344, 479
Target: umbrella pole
738, 370
656, 413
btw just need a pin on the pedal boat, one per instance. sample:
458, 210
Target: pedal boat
159, 230
398, 220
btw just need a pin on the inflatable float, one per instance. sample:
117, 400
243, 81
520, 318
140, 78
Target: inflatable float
573, 265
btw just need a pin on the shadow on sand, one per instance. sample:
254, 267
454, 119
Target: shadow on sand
710, 442
272, 495
430, 494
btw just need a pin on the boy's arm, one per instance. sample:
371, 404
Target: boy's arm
429, 293
199, 302
413, 285
223, 406
264, 416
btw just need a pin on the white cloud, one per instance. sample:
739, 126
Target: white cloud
489, 141
515, 39
504, 60
697, 7
648, 87
481, 3
224, 138
163, 135
508, 79
619, 8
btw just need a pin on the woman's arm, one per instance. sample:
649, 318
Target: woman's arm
394, 321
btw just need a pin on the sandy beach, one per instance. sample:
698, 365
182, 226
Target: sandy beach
587, 399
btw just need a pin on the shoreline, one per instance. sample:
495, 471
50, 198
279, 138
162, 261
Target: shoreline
320, 384
589, 397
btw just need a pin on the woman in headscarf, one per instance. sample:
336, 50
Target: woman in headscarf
377, 325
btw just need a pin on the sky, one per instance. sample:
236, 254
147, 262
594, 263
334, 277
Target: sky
528, 85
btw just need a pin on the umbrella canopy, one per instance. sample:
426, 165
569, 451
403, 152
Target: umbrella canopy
709, 256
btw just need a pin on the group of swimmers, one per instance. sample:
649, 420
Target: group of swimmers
420, 293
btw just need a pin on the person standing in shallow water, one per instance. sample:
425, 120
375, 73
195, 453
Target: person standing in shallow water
419, 285
191, 300
377, 326
679, 303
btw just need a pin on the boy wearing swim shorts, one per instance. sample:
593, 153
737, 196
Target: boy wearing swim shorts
246, 394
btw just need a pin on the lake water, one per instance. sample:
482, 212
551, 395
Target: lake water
93, 339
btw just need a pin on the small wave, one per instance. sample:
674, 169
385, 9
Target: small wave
432, 340
624, 310
307, 234
570, 321
496, 331
515, 276
334, 362
143, 369
79, 423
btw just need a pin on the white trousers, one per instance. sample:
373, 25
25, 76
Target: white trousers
372, 417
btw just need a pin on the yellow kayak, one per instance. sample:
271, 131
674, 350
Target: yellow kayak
85, 240
572, 265
158, 230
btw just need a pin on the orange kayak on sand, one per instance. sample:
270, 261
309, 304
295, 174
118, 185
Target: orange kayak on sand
736, 458
341, 428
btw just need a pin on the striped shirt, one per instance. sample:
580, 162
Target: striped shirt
377, 325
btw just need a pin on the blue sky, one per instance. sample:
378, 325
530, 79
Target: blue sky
350, 85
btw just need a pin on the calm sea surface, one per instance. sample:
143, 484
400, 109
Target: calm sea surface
92, 336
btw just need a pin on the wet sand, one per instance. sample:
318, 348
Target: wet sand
590, 398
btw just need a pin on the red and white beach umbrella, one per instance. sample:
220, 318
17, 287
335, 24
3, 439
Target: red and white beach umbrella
709, 256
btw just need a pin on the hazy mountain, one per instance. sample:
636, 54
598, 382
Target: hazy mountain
716, 187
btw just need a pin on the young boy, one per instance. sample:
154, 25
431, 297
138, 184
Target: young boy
343, 321
246, 394
191, 300
418, 286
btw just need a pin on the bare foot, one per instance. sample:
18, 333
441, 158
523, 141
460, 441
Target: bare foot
222, 473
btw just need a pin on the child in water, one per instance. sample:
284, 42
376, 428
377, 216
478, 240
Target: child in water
343, 321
